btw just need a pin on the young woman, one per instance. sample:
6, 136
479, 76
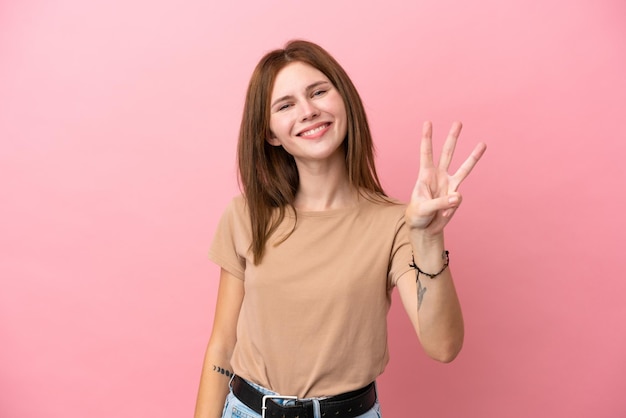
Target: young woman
311, 251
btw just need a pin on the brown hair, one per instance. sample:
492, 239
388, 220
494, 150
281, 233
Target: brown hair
268, 174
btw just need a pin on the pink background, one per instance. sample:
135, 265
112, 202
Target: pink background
118, 125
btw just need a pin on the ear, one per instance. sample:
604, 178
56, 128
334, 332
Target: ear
272, 140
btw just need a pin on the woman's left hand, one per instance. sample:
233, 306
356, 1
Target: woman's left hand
435, 196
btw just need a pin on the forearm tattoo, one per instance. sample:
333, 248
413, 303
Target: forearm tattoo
445, 255
420, 293
222, 370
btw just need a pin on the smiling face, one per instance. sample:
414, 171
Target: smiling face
307, 114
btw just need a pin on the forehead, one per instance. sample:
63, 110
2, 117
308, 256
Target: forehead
294, 78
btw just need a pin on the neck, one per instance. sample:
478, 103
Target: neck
324, 186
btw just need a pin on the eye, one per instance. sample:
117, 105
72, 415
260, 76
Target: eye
319, 92
282, 107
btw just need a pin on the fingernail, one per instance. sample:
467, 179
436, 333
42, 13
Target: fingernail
453, 199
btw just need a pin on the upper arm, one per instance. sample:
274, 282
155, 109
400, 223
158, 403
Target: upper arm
229, 298
407, 288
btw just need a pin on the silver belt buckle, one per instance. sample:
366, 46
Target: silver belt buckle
266, 397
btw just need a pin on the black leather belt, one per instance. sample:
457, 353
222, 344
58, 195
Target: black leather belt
346, 405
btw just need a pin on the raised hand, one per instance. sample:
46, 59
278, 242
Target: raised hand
435, 196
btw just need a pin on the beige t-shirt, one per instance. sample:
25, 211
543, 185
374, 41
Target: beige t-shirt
313, 318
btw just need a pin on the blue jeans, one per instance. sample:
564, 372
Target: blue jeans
234, 408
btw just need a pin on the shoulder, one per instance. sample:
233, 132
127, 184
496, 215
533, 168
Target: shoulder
237, 206
382, 213
235, 214
237, 203
383, 206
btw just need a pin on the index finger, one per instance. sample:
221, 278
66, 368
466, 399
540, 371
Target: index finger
448, 147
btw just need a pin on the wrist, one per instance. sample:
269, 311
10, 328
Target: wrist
424, 242
428, 250
446, 262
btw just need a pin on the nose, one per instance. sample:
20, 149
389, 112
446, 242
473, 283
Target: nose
308, 111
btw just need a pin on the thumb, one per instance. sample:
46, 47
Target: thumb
443, 203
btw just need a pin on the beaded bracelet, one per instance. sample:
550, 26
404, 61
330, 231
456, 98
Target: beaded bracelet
432, 276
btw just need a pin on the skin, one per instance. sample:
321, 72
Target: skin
213, 385
303, 99
435, 198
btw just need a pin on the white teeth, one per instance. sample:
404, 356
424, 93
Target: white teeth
312, 131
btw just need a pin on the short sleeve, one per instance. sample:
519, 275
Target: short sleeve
401, 253
231, 241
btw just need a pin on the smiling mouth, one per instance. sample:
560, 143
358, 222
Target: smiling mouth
314, 130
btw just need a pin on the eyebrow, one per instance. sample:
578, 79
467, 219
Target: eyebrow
308, 88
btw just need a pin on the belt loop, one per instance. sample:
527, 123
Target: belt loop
268, 397
317, 412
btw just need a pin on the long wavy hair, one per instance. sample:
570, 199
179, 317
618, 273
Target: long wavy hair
268, 175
